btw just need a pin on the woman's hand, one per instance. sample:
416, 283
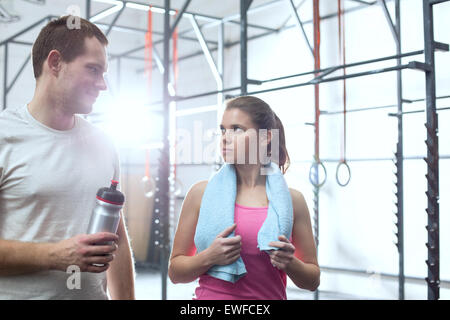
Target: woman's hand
281, 258
223, 250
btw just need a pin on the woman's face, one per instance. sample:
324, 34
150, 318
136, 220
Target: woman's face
239, 138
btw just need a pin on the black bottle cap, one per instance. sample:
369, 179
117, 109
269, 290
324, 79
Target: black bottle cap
111, 194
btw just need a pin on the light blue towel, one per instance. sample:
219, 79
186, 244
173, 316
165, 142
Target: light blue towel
217, 213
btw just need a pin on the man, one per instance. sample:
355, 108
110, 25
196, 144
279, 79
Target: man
52, 162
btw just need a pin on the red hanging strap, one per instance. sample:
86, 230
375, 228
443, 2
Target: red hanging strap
175, 79
149, 49
148, 71
175, 55
147, 162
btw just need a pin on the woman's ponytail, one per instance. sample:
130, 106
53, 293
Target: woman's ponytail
284, 160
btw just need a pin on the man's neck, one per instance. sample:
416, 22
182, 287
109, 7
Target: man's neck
50, 111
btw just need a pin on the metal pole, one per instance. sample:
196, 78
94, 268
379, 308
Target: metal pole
389, 20
114, 21
227, 45
316, 23
270, 4
220, 68
329, 160
88, 9
220, 95
300, 25
348, 65
399, 159
16, 77
244, 78
206, 51
164, 162
5, 77
179, 16
302, 84
389, 276
47, 18
325, 70
419, 111
232, 44
432, 158
133, 30
213, 19
348, 76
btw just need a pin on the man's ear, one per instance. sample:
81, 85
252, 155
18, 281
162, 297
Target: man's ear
54, 62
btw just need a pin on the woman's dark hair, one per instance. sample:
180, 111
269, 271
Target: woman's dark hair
264, 118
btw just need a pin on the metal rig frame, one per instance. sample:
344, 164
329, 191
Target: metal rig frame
165, 181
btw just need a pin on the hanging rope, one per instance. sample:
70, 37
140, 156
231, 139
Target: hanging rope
147, 180
341, 30
314, 170
175, 80
149, 50
175, 55
147, 163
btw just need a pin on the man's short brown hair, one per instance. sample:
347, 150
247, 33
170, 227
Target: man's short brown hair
57, 35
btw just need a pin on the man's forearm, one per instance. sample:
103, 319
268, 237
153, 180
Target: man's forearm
120, 275
18, 257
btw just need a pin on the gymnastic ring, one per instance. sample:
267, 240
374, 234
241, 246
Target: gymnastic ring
349, 173
149, 186
319, 163
177, 187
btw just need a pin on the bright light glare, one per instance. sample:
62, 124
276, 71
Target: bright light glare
131, 125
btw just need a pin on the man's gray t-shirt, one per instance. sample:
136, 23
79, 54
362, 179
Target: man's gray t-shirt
48, 183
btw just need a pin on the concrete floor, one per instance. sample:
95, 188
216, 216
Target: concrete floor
148, 287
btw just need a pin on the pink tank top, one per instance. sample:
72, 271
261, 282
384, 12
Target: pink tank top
262, 281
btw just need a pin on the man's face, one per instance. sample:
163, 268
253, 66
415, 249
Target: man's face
82, 79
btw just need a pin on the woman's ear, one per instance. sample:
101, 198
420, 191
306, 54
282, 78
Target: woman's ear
269, 136
265, 151
266, 137
54, 62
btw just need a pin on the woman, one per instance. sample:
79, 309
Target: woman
266, 273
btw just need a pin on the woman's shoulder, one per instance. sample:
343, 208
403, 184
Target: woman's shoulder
296, 195
199, 187
196, 191
193, 199
299, 204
